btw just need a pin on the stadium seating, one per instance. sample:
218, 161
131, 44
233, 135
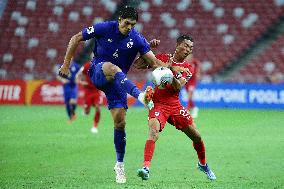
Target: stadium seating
266, 67
34, 34
221, 29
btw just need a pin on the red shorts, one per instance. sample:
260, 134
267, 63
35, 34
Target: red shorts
177, 116
92, 98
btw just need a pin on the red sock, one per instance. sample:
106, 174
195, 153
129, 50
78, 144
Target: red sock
97, 118
190, 104
200, 149
148, 152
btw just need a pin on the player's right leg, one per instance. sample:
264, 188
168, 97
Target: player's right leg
199, 147
153, 135
113, 72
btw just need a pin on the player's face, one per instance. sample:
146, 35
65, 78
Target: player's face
184, 49
125, 25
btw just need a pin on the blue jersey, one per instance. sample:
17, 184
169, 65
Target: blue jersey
70, 89
112, 46
74, 68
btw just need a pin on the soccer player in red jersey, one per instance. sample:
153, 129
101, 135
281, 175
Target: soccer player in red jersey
167, 108
92, 96
191, 85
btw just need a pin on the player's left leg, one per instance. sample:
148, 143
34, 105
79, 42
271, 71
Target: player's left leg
118, 115
192, 132
153, 135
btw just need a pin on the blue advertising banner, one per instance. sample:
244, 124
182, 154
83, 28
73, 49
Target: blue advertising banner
222, 95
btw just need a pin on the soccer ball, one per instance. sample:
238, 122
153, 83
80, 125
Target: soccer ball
162, 76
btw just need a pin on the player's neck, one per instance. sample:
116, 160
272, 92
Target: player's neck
176, 60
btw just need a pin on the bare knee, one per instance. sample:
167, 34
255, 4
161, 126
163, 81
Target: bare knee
192, 133
119, 124
87, 109
154, 127
110, 70
118, 115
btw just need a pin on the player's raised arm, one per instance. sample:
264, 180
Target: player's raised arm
140, 63
152, 61
149, 60
71, 49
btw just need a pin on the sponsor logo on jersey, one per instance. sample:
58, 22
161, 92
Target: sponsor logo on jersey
122, 81
90, 29
129, 44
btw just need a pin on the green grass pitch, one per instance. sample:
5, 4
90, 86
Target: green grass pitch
38, 149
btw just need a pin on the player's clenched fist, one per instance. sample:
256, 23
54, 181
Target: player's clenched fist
63, 71
154, 43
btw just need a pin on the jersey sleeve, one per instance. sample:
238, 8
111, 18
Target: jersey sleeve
143, 46
96, 30
163, 57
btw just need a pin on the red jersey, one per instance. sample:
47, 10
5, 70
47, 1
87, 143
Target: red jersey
169, 96
195, 65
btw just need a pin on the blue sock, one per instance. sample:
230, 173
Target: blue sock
127, 85
120, 143
68, 109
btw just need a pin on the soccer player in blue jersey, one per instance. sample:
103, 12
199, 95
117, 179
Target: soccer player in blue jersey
70, 91
117, 45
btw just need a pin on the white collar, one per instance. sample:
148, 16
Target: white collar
172, 59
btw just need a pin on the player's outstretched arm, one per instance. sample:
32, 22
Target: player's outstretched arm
152, 61
140, 63
71, 49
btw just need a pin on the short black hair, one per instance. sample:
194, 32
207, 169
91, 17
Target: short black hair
184, 37
128, 12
